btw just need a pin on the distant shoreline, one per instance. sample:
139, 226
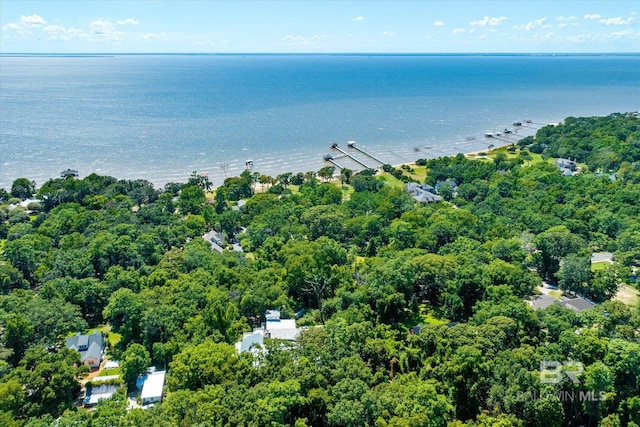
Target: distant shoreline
432, 54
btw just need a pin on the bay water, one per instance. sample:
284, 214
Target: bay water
161, 117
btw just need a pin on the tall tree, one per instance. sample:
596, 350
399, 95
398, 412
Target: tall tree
23, 188
134, 361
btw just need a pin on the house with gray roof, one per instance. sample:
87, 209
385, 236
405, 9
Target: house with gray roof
447, 183
568, 167
577, 304
90, 347
422, 193
216, 239
542, 301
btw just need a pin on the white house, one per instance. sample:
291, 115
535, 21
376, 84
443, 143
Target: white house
274, 327
153, 387
281, 329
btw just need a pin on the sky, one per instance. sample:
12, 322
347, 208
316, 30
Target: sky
151, 26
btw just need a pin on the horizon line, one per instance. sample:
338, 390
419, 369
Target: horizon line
322, 53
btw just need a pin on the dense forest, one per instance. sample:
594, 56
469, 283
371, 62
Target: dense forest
358, 262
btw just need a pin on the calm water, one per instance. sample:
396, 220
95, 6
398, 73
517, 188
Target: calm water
162, 117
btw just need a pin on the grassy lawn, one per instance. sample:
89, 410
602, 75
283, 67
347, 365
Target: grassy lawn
428, 316
112, 371
391, 180
601, 265
556, 294
429, 319
491, 154
628, 295
419, 172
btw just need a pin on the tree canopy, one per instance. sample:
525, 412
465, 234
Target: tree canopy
411, 314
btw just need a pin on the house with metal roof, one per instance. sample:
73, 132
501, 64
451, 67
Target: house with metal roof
153, 387
99, 392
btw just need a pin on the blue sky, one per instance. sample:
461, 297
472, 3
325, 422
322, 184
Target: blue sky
318, 26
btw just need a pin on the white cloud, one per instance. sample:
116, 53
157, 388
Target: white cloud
538, 23
151, 36
290, 38
591, 37
104, 30
625, 33
25, 24
457, 31
592, 16
439, 24
55, 32
543, 37
565, 25
472, 31
487, 21
59, 33
388, 33
32, 20
358, 18
101, 27
565, 18
617, 21
128, 21
18, 28
304, 40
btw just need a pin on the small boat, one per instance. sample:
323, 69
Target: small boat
517, 123
333, 145
488, 135
327, 157
507, 131
528, 121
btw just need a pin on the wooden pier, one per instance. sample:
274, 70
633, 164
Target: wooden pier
337, 147
329, 158
352, 144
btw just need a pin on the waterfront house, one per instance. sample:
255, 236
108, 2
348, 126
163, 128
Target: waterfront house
69, 172
450, 183
422, 193
568, 167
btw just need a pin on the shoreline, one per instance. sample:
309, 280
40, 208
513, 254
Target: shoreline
403, 153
